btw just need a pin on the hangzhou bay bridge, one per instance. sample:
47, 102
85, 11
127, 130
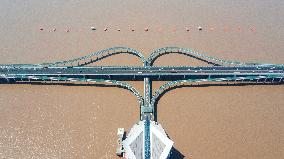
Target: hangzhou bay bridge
146, 139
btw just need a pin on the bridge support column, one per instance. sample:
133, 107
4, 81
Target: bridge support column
147, 109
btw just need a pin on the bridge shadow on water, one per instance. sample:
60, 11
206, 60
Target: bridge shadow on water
175, 154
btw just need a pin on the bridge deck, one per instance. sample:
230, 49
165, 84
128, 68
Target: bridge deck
139, 73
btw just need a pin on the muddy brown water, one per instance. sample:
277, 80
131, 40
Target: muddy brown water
55, 121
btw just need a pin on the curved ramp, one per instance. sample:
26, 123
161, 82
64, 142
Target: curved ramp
195, 54
65, 79
97, 56
172, 84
